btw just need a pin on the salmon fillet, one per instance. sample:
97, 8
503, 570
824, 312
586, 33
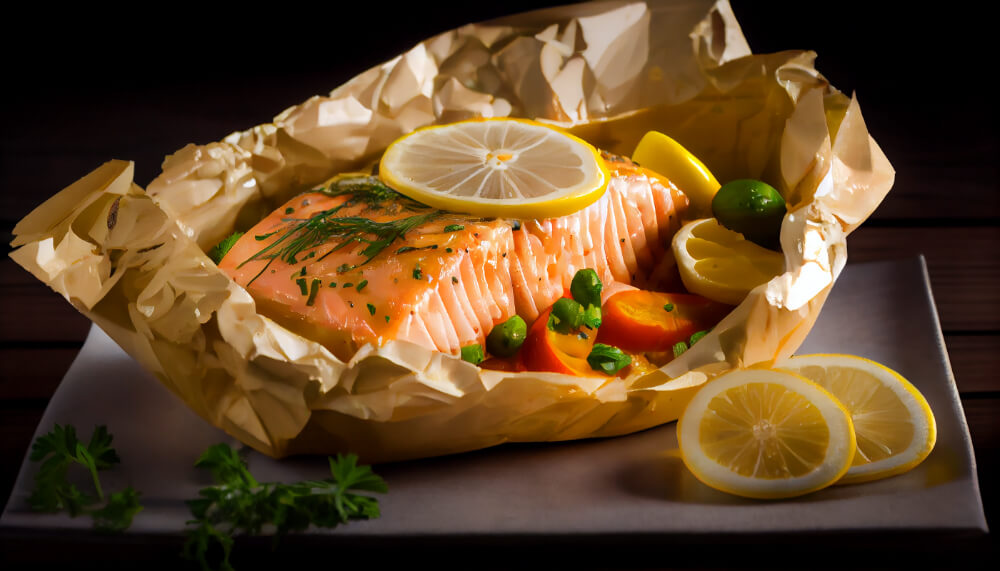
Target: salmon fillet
448, 278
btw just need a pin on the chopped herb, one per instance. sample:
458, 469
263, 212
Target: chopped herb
454, 228
449, 250
679, 348
454, 280
371, 309
302, 286
261, 237
668, 307
362, 285
405, 249
333, 284
302, 272
220, 250
417, 274
289, 210
239, 504
324, 226
473, 354
313, 290
348, 284
696, 336
607, 359
311, 254
387, 319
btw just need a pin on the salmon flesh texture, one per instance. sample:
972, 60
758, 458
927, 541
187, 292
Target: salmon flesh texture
446, 282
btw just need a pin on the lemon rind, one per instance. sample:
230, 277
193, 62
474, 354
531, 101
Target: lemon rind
924, 424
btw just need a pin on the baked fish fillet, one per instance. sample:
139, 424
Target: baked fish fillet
350, 267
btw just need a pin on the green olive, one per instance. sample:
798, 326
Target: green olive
507, 337
752, 208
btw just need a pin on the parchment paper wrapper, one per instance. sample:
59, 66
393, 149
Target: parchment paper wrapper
133, 260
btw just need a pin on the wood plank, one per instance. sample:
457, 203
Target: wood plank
33, 372
962, 262
975, 361
35, 313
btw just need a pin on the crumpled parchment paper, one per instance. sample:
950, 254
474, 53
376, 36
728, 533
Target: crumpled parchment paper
133, 260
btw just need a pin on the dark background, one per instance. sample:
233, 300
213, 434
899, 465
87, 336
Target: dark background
102, 82
87, 84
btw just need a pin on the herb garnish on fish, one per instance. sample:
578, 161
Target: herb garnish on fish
325, 226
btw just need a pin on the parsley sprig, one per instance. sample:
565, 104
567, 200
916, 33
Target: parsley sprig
60, 449
239, 504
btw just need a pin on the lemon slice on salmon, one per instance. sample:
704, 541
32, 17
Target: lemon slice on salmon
762, 433
894, 425
496, 167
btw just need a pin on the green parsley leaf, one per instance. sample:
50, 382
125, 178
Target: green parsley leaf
454, 228
238, 504
57, 451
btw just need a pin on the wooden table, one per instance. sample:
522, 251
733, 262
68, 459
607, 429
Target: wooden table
126, 88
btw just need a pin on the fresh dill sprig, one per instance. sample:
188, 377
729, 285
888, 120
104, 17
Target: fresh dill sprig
325, 226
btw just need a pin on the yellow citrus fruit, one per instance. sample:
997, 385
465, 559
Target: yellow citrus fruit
720, 264
894, 425
669, 158
762, 433
496, 167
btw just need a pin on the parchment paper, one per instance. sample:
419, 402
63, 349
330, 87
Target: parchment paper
133, 260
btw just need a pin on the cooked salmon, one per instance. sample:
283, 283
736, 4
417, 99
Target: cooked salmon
347, 268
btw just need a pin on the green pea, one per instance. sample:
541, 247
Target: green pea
473, 354
586, 288
567, 315
507, 337
752, 208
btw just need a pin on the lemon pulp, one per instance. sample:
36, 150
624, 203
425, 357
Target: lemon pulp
496, 167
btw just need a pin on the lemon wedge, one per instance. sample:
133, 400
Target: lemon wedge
667, 157
720, 264
496, 167
893, 423
762, 433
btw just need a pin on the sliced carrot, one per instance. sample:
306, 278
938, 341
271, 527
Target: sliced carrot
548, 350
639, 320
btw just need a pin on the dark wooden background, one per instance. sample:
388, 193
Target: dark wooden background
82, 86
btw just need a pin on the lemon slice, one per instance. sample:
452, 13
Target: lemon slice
762, 433
496, 167
720, 264
669, 158
894, 425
